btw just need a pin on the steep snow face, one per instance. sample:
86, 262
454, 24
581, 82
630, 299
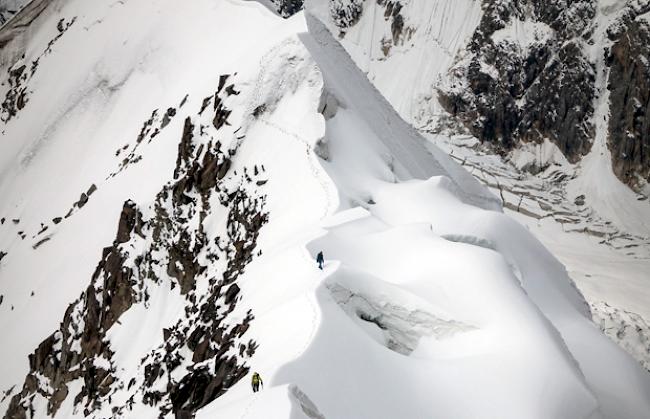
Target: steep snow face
553, 72
162, 206
512, 72
407, 47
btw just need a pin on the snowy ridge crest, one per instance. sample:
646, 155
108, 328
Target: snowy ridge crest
248, 154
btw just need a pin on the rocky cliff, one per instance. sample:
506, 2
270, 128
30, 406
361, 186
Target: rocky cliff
515, 72
629, 83
165, 244
513, 93
546, 102
509, 91
287, 8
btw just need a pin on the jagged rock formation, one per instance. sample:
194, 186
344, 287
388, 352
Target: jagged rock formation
346, 13
629, 84
512, 92
165, 243
20, 74
526, 75
287, 8
56, 361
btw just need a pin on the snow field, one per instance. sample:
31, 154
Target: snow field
432, 302
394, 254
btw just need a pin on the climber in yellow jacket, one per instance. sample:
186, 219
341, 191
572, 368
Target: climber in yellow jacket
256, 381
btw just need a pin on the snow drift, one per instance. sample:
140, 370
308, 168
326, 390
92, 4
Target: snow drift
164, 195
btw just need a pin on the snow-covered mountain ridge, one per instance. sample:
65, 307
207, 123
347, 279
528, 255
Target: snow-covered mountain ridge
162, 207
503, 62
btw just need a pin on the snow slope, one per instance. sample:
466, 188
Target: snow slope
76, 119
609, 197
410, 65
8, 8
432, 302
406, 68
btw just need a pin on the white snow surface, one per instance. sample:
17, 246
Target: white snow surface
435, 47
493, 324
409, 72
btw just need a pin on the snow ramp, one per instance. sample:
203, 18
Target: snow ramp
417, 158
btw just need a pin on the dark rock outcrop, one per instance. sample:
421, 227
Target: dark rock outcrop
287, 8
543, 92
72, 351
207, 346
629, 85
548, 91
20, 74
151, 128
346, 13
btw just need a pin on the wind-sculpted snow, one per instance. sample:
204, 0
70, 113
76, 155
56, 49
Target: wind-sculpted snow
560, 85
412, 156
227, 167
307, 406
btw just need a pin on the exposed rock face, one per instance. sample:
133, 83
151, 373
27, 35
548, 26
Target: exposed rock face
204, 353
22, 72
151, 128
510, 92
629, 84
345, 13
79, 350
287, 8
527, 75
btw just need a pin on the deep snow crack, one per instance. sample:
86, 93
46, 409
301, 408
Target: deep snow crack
402, 328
